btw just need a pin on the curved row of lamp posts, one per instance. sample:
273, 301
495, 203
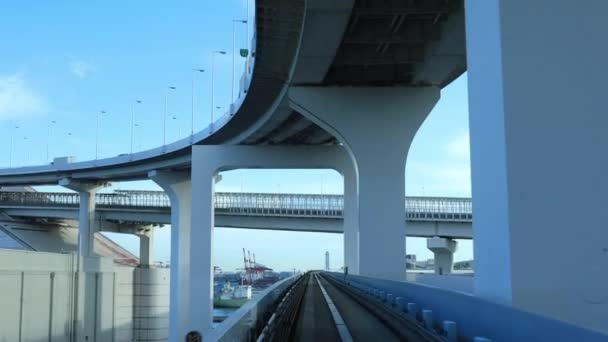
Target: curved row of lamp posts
170, 88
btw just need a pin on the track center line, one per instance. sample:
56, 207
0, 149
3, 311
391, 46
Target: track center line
340, 325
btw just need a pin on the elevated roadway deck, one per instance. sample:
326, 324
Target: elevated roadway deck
300, 43
426, 216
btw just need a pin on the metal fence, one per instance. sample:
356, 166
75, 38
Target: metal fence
258, 204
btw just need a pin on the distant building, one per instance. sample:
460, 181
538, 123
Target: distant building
327, 260
410, 262
463, 265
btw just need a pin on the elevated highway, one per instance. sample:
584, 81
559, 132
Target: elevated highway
426, 216
384, 48
300, 43
357, 78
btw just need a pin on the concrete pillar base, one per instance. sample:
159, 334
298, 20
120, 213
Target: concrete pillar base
178, 187
538, 156
93, 298
443, 250
146, 240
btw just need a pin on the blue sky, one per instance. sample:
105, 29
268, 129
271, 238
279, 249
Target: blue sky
65, 61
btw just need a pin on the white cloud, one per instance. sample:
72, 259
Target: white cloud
80, 68
17, 99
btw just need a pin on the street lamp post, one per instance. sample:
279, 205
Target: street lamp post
133, 121
194, 71
10, 162
179, 129
212, 77
99, 114
234, 22
247, 42
48, 138
165, 115
69, 135
138, 127
25, 155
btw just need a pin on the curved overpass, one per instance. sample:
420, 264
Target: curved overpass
303, 43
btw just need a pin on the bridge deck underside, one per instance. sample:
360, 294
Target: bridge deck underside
385, 41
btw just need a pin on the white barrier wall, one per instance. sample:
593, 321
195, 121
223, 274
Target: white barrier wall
36, 296
123, 310
44, 297
452, 282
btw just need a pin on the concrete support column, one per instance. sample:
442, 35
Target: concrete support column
537, 104
146, 240
178, 187
377, 125
443, 250
207, 161
87, 226
201, 245
90, 305
350, 221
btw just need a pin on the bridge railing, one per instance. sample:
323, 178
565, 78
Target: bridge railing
280, 204
439, 208
38, 198
261, 204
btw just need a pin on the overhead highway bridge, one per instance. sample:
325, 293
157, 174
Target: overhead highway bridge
346, 85
426, 216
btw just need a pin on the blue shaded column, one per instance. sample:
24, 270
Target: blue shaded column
538, 122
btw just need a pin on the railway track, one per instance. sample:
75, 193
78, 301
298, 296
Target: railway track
324, 309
